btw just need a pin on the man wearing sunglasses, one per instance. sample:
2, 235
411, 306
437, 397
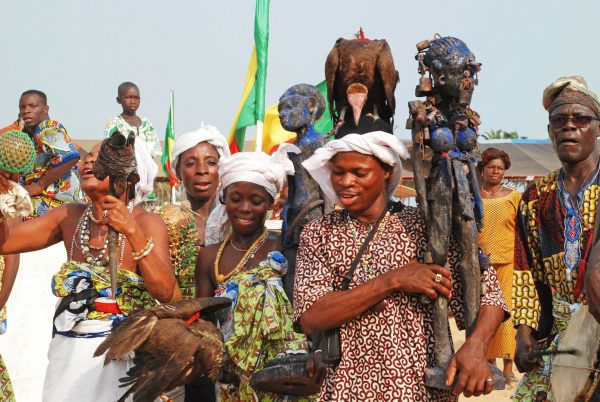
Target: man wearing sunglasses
555, 234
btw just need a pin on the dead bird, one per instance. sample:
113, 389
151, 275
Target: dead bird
172, 346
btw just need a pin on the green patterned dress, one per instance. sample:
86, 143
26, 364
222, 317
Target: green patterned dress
259, 327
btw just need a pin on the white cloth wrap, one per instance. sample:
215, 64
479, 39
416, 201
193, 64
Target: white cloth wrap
384, 146
259, 168
16, 202
74, 375
206, 133
147, 169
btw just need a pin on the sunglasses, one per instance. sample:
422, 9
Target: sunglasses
579, 121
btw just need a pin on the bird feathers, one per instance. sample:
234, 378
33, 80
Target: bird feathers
169, 349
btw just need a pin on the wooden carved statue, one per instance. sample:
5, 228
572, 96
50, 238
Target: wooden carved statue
116, 160
299, 108
448, 195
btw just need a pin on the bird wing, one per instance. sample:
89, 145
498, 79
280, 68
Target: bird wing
331, 69
127, 336
389, 75
156, 372
186, 308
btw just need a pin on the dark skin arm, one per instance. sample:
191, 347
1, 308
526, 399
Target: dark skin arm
204, 276
471, 359
11, 266
51, 175
155, 268
336, 308
526, 336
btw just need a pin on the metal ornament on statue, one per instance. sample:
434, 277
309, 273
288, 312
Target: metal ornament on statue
116, 160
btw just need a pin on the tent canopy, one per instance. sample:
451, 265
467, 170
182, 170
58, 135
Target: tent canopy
528, 157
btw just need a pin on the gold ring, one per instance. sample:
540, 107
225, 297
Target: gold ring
438, 278
104, 213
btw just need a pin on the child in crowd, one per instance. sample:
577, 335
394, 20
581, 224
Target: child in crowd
128, 96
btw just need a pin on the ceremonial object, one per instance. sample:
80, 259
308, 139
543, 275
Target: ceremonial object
285, 376
575, 376
448, 194
172, 345
17, 155
361, 76
17, 152
116, 160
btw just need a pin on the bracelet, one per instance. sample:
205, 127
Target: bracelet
138, 255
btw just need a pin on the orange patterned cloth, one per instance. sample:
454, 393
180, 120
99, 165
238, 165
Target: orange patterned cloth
16, 125
498, 239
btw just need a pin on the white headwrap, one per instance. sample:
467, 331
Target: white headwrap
147, 169
384, 146
206, 133
258, 168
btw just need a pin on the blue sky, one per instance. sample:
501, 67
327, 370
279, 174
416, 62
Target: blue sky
78, 51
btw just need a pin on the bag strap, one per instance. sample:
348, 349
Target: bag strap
350, 273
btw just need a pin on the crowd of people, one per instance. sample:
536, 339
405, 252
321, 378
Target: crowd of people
540, 243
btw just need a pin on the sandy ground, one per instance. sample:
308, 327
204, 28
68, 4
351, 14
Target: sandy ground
30, 310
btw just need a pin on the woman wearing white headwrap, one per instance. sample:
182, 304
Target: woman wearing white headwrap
194, 160
247, 267
385, 329
199, 220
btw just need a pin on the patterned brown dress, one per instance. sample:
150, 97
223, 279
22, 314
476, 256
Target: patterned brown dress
384, 354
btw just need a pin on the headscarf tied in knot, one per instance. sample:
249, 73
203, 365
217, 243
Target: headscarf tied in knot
384, 146
259, 168
570, 90
206, 133
147, 170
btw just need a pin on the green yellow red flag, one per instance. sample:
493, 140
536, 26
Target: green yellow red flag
252, 106
169, 143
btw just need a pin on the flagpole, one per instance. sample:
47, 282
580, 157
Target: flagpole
172, 111
259, 136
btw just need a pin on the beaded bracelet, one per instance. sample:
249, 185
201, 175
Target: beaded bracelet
144, 251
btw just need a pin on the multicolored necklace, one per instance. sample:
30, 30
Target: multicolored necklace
240, 265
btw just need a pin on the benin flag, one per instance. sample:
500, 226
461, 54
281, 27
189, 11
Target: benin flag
252, 106
169, 142
274, 134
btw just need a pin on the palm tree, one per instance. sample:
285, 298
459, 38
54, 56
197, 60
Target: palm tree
501, 135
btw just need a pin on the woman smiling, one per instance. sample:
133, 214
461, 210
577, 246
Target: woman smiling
247, 267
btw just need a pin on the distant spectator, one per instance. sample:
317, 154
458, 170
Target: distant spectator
128, 96
53, 180
500, 204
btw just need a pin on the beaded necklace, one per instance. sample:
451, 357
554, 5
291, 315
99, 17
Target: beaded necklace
367, 270
240, 265
83, 227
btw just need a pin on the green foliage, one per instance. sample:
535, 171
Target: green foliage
502, 135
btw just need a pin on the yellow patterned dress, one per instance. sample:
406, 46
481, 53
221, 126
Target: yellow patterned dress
498, 240
6, 389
